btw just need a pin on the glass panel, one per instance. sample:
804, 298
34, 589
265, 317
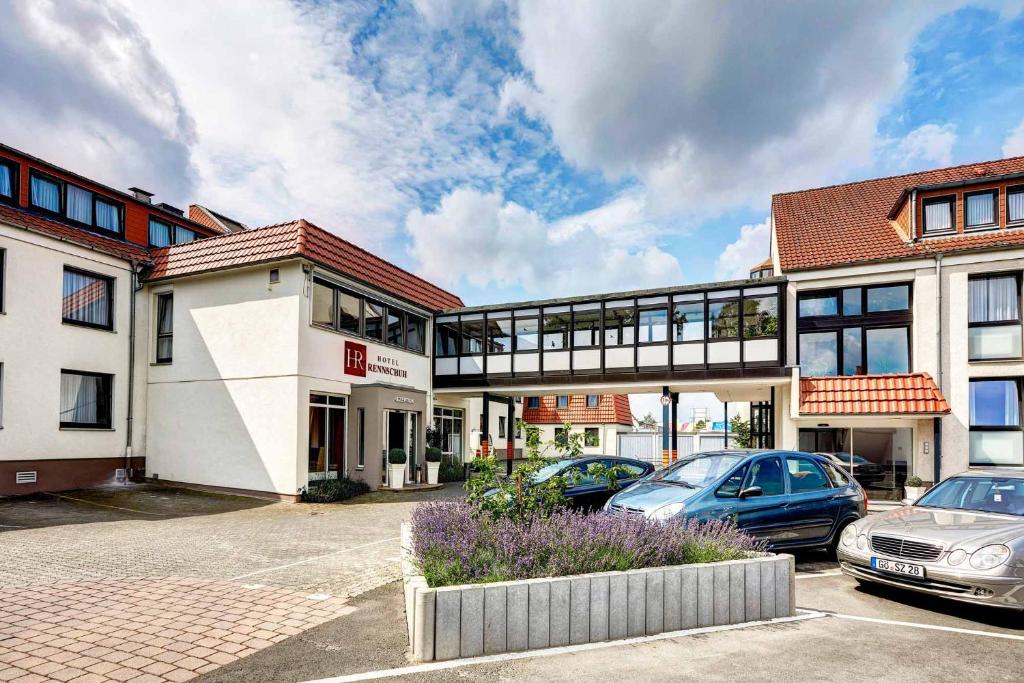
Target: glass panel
852, 301
688, 320
591, 437
348, 312
723, 319
360, 437
108, 216
938, 216
317, 460
79, 205
761, 317
586, 328
415, 331
993, 299
895, 298
556, 331
653, 325
323, 304
805, 475
336, 444
164, 327
652, 301
499, 336
997, 448
84, 399
619, 327
991, 343
852, 356
396, 326
981, 209
1015, 206
183, 235
446, 339
6, 181
159, 234
767, 474
818, 354
995, 403
526, 334
593, 400
373, 320
888, 350
472, 336
818, 305
563, 402
86, 299
44, 194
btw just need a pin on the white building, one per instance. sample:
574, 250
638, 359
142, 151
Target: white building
600, 418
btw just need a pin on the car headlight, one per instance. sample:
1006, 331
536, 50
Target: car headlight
990, 556
666, 512
849, 536
862, 542
956, 557
607, 505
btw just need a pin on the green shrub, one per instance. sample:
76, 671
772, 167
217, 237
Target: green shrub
333, 490
451, 470
914, 482
396, 456
433, 454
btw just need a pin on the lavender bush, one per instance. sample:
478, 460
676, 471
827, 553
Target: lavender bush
453, 545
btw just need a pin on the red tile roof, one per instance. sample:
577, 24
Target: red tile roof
298, 239
51, 228
841, 224
611, 409
903, 394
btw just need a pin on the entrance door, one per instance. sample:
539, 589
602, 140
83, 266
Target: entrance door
326, 436
396, 435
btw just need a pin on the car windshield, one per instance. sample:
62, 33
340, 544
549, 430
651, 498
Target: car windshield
699, 470
1003, 495
548, 471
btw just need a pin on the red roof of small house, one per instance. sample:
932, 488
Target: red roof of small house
611, 409
903, 394
68, 233
298, 239
850, 223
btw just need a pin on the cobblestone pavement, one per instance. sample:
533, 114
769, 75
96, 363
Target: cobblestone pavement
149, 584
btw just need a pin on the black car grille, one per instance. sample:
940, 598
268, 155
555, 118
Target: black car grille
905, 548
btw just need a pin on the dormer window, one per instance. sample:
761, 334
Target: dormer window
938, 215
8, 180
76, 204
980, 209
163, 234
45, 194
1015, 204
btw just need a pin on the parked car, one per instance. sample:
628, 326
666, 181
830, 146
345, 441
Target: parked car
590, 492
963, 540
789, 499
864, 471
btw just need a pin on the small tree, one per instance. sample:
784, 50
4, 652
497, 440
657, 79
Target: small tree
700, 426
741, 432
648, 422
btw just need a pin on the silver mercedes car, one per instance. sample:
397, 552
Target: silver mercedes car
962, 540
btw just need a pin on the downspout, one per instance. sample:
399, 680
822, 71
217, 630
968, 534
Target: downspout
135, 288
937, 421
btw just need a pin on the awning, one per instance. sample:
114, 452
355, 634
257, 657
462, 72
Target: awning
910, 394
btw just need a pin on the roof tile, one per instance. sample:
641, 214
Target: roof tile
35, 223
903, 394
611, 409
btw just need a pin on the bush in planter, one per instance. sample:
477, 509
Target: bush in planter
396, 456
453, 545
433, 454
914, 482
451, 470
333, 490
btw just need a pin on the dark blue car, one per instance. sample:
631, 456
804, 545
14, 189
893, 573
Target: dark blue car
590, 492
789, 499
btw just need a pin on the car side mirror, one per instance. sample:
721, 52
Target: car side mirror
751, 491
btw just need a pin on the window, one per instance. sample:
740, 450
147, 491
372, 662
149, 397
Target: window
274, 276
533, 402
499, 336
993, 317
563, 402
373, 322
586, 328
560, 436
79, 205
619, 326
396, 327
888, 350
760, 317
8, 181
85, 400
688, 320
996, 437
472, 336
889, 298
360, 438
1015, 204
732, 486
322, 304
653, 326
723, 320
183, 235
593, 400
415, 332
980, 209
938, 215
556, 332
592, 437
164, 234
805, 476
853, 353
817, 305
501, 426
852, 301
836, 476
446, 339
767, 474
44, 193
88, 299
164, 327
326, 436
526, 334
349, 312
819, 355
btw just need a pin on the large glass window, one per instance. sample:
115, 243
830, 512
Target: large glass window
723, 319
586, 328
44, 194
88, 299
473, 336
85, 400
888, 350
396, 327
415, 332
995, 431
994, 324
653, 325
980, 209
688, 320
373, 321
556, 331
853, 353
526, 334
818, 354
890, 298
322, 304
619, 326
938, 215
326, 436
760, 317
349, 312
852, 301
164, 327
446, 339
1015, 204
448, 421
817, 305
499, 336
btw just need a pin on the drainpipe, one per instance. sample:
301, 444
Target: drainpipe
937, 430
130, 418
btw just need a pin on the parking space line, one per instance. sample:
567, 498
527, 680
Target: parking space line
552, 651
928, 627
818, 575
112, 507
312, 559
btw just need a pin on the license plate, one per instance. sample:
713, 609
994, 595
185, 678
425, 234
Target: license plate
894, 567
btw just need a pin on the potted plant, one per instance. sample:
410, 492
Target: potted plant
914, 488
396, 468
433, 458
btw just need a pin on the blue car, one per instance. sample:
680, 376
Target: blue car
589, 492
789, 499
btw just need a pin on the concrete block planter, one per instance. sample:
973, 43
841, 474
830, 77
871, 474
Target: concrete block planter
471, 620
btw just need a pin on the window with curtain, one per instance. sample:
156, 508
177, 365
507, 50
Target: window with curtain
79, 205
993, 317
6, 180
108, 216
44, 194
980, 209
87, 299
1015, 204
533, 402
996, 437
183, 235
160, 234
164, 327
85, 400
938, 215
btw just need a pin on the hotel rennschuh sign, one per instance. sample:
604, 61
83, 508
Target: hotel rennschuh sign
358, 362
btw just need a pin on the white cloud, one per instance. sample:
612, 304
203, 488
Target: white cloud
752, 247
482, 239
1014, 143
929, 143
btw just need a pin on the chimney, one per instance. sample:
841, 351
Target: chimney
141, 195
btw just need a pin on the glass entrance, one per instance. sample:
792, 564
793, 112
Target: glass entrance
326, 436
878, 458
400, 432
